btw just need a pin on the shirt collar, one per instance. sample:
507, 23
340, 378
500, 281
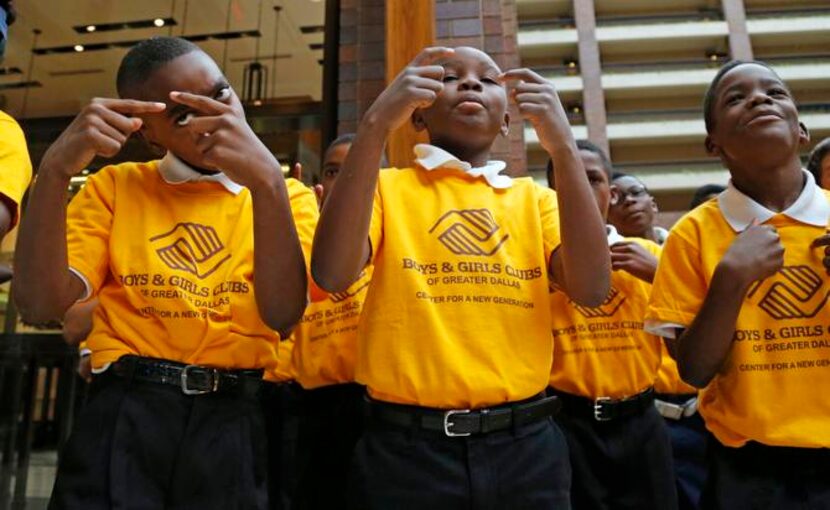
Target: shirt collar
739, 210
175, 171
431, 157
614, 237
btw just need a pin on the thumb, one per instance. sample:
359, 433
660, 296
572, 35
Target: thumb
318, 192
297, 171
753, 223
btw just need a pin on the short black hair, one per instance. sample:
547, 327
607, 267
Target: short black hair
702, 194
587, 146
146, 57
709, 97
820, 151
341, 140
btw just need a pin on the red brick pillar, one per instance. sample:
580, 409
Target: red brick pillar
362, 66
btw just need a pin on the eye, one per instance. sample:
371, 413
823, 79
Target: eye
733, 99
489, 80
223, 94
185, 119
331, 172
777, 92
449, 78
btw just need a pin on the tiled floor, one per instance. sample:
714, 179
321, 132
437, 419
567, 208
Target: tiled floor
42, 468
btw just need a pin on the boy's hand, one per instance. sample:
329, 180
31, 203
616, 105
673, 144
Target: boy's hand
634, 259
101, 129
825, 242
539, 104
755, 254
415, 87
226, 141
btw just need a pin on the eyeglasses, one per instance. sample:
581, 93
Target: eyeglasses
633, 192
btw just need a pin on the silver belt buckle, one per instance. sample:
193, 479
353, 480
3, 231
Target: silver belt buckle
189, 391
598, 409
669, 410
449, 414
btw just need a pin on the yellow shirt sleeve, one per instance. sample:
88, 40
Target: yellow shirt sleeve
88, 228
15, 165
549, 210
306, 213
679, 286
376, 225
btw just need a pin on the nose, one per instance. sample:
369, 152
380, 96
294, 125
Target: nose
470, 82
759, 97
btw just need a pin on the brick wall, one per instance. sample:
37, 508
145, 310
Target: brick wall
362, 68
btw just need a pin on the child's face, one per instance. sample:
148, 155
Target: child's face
471, 109
332, 161
598, 179
633, 213
825, 172
194, 72
753, 113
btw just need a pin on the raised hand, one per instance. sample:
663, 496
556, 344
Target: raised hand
634, 259
824, 241
415, 87
101, 129
755, 254
539, 104
227, 142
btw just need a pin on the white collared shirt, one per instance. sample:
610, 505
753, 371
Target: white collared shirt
810, 207
430, 157
175, 171
614, 237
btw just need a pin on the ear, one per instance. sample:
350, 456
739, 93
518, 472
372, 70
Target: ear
711, 147
803, 134
615, 194
654, 205
417, 120
505, 125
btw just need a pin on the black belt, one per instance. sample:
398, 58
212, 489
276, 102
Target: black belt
606, 408
465, 422
192, 379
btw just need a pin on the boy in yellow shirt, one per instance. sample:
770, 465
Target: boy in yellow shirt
742, 289
325, 348
604, 368
198, 268
454, 338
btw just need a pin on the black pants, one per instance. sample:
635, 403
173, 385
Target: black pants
402, 469
759, 477
624, 463
688, 443
331, 422
139, 445
281, 405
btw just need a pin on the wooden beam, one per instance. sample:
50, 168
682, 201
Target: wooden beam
410, 27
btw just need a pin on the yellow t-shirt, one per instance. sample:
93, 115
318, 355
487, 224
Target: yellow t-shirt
457, 313
15, 165
780, 357
284, 370
172, 266
668, 378
325, 341
604, 351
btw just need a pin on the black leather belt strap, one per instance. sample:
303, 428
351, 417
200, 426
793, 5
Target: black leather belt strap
191, 379
604, 408
465, 422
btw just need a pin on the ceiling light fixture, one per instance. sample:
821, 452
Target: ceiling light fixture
90, 28
159, 22
79, 47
